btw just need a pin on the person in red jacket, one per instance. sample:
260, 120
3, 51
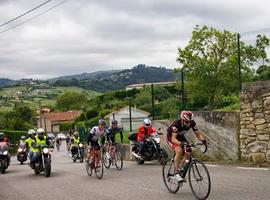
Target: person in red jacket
144, 131
4, 139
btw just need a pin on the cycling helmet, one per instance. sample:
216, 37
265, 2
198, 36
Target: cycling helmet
186, 116
114, 122
75, 133
40, 131
147, 123
31, 131
22, 137
102, 122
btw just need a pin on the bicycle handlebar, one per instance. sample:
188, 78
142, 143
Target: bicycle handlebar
200, 144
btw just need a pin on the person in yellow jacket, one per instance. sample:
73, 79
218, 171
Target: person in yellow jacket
38, 141
75, 141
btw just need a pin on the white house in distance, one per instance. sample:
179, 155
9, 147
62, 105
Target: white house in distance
122, 116
141, 85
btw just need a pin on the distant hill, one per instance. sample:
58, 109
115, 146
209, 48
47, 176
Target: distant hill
83, 76
4, 82
120, 79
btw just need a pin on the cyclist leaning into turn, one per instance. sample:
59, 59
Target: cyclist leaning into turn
95, 134
178, 142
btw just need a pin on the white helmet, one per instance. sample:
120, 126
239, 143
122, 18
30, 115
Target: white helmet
147, 123
40, 130
31, 131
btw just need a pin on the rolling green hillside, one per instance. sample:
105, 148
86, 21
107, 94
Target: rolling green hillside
36, 95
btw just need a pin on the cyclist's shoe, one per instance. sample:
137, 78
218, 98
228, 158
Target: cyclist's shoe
108, 155
178, 178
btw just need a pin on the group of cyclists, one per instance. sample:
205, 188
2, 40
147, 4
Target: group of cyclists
175, 138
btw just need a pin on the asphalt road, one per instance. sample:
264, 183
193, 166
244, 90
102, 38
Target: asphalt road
69, 181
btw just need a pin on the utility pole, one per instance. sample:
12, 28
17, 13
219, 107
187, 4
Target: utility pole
130, 119
239, 62
153, 101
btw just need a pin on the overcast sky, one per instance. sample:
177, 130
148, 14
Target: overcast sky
90, 35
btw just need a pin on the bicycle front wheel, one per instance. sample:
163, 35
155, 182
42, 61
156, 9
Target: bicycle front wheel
99, 170
106, 160
118, 160
88, 168
199, 180
168, 172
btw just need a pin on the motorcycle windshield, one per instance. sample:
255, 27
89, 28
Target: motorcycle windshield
3, 147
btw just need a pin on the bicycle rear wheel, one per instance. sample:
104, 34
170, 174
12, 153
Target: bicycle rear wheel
199, 180
168, 171
118, 160
99, 170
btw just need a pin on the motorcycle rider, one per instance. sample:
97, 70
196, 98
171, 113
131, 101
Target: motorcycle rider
4, 139
144, 131
39, 140
75, 141
178, 142
95, 134
21, 141
28, 142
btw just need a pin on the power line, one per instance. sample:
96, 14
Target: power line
13, 27
25, 13
256, 31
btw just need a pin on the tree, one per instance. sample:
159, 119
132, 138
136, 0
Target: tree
71, 101
210, 62
263, 72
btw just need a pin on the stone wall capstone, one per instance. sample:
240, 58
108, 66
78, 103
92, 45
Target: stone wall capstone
255, 121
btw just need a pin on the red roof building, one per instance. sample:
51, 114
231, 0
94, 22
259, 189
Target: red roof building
51, 121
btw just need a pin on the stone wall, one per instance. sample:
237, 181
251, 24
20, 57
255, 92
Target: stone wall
255, 122
220, 128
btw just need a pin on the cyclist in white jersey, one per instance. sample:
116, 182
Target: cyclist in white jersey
95, 134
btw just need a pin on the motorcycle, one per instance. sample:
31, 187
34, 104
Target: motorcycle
42, 161
151, 149
80, 153
4, 157
22, 153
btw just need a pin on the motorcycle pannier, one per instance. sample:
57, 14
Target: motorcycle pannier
133, 136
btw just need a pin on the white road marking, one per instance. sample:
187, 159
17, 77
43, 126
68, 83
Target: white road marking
211, 165
253, 168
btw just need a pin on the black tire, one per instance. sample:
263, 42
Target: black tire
36, 169
107, 162
88, 169
21, 163
99, 171
74, 159
47, 168
163, 157
139, 161
118, 160
167, 171
198, 175
3, 166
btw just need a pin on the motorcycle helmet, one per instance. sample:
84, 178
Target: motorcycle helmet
2, 135
23, 137
147, 123
40, 131
31, 131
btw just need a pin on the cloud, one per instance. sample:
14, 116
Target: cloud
86, 36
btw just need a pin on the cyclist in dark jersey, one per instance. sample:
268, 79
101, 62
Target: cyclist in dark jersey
177, 140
